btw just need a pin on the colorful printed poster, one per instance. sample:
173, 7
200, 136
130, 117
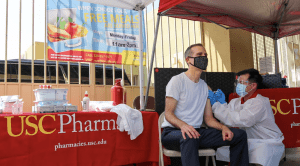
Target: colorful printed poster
85, 32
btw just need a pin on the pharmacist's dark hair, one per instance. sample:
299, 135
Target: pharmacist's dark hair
254, 77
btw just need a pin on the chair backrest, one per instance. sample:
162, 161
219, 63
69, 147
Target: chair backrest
150, 103
161, 119
272, 81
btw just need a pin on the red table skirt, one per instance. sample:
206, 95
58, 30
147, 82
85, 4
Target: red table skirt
75, 139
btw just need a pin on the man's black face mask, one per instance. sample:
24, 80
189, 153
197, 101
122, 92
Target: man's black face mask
200, 62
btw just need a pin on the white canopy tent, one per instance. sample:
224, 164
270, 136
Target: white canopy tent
137, 5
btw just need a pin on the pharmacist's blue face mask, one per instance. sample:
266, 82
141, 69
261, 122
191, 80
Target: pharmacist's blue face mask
241, 89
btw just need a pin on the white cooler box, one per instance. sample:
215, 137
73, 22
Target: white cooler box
50, 94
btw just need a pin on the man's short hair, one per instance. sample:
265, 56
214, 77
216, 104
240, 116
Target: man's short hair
254, 77
188, 50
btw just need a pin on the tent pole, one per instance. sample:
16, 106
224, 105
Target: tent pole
141, 57
276, 57
152, 59
276, 37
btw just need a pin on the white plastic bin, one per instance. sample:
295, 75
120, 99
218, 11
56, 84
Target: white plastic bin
44, 94
7, 107
17, 107
50, 106
51, 103
50, 94
44, 109
71, 108
60, 109
61, 94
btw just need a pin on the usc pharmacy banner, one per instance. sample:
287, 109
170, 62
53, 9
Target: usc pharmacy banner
78, 139
285, 103
86, 32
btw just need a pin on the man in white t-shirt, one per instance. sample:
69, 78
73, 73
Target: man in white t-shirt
187, 105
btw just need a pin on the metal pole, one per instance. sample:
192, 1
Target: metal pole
45, 42
183, 57
162, 45
279, 56
176, 50
287, 61
195, 32
256, 56
152, 58
276, 57
123, 75
154, 29
169, 42
20, 41
69, 73
6, 38
147, 37
32, 41
113, 73
131, 75
79, 73
104, 74
141, 59
294, 63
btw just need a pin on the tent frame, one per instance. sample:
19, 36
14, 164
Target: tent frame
274, 36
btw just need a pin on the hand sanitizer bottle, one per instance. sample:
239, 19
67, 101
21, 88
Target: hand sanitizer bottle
86, 102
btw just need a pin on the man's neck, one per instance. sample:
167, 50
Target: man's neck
248, 96
193, 75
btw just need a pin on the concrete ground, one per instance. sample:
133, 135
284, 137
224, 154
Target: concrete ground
292, 157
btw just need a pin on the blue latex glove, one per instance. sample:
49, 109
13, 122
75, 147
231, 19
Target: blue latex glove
211, 96
220, 96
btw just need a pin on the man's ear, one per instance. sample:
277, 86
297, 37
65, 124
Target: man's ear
255, 85
187, 60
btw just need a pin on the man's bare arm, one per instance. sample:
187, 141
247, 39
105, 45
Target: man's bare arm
171, 104
209, 119
212, 122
